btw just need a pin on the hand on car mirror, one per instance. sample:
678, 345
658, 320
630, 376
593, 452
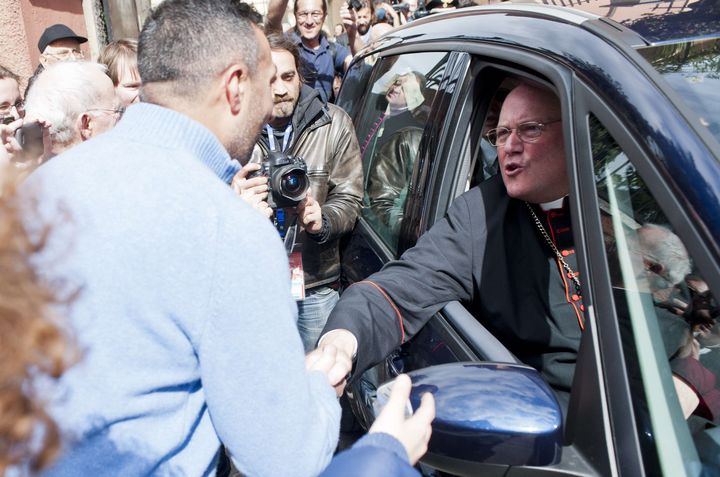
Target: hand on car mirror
413, 432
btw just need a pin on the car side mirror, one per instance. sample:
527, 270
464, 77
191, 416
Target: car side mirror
489, 413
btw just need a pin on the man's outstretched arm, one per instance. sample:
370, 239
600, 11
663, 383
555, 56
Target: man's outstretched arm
275, 13
393, 304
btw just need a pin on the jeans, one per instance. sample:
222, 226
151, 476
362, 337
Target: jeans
313, 313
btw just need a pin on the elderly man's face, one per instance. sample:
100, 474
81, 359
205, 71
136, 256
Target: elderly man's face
396, 94
533, 171
64, 49
106, 112
10, 104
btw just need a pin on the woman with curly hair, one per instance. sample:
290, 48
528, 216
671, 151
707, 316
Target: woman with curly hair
32, 344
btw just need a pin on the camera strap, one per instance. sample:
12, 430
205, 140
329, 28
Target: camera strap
287, 135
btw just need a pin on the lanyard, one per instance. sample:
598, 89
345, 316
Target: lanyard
286, 137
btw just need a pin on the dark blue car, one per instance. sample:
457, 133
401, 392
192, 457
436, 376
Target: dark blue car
640, 95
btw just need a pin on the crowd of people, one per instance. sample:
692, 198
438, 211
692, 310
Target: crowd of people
170, 351
154, 325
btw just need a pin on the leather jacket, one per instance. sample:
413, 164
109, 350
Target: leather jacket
324, 136
389, 177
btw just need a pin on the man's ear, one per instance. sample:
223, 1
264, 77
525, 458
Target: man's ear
236, 80
85, 126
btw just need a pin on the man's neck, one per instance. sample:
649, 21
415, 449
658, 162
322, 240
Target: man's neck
313, 43
553, 204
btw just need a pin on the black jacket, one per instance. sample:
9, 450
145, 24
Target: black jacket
488, 254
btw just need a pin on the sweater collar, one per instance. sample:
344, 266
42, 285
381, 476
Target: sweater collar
153, 124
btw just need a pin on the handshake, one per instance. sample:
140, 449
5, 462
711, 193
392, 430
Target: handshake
333, 358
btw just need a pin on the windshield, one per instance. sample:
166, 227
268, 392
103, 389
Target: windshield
693, 70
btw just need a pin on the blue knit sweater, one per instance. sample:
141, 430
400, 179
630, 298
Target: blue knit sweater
184, 314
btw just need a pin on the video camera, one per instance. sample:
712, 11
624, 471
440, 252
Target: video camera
288, 181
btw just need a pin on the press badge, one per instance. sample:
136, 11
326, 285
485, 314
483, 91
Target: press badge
297, 274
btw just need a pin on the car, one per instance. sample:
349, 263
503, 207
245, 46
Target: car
640, 94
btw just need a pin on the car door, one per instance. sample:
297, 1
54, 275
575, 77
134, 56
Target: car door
623, 415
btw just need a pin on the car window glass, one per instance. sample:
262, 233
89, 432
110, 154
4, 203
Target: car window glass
693, 70
486, 158
658, 291
389, 131
353, 88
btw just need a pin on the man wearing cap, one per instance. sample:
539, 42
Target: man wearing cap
57, 43
60, 43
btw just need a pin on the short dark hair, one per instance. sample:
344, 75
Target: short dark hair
188, 42
7, 74
281, 41
324, 7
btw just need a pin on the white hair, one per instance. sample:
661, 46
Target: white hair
667, 249
61, 93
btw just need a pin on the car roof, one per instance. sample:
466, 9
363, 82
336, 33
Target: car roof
646, 23
657, 21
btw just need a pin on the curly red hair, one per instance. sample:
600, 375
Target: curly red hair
32, 342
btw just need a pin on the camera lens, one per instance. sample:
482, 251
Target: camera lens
294, 184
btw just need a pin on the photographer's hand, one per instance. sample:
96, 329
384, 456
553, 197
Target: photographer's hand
347, 15
10, 146
310, 214
254, 191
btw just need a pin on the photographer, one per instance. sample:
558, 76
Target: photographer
303, 126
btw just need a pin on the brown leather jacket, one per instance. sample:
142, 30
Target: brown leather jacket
324, 136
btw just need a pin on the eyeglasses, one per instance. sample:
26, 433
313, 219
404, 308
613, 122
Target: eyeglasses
315, 15
66, 53
119, 111
6, 110
527, 132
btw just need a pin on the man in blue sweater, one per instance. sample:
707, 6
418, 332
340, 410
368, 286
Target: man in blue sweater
180, 285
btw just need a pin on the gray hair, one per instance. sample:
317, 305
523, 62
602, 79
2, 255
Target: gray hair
61, 93
186, 43
666, 248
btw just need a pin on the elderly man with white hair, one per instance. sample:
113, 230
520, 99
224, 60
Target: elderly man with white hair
75, 101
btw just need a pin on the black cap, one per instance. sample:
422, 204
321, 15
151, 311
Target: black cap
58, 32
